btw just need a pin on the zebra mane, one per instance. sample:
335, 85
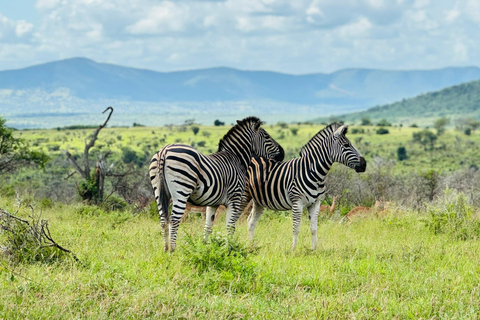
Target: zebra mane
320, 135
240, 124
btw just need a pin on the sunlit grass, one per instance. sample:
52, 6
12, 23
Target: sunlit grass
386, 268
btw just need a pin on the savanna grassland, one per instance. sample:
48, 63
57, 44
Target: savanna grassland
418, 259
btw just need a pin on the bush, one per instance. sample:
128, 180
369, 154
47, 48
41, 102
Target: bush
357, 130
29, 241
228, 260
218, 123
382, 131
402, 153
114, 203
452, 215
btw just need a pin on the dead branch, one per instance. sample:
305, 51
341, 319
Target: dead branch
22, 231
85, 172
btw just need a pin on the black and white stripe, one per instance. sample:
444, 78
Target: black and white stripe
299, 183
181, 173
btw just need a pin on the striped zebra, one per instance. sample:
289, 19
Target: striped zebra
183, 174
299, 183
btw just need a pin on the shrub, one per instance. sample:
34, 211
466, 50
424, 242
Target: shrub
195, 130
382, 131
29, 241
114, 203
228, 260
402, 153
294, 131
218, 123
357, 130
452, 215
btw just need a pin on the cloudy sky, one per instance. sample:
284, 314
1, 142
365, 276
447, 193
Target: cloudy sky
293, 36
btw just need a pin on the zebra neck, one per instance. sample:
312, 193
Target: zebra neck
240, 150
319, 165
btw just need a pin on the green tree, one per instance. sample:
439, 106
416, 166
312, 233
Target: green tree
195, 130
218, 123
384, 123
425, 138
440, 125
15, 153
366, 121
402, 153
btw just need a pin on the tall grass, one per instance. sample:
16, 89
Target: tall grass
390, 267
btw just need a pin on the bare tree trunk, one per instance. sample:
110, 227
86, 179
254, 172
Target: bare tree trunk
100, 172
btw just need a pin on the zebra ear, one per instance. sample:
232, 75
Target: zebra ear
341, 130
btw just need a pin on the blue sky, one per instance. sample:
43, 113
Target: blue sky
294, 36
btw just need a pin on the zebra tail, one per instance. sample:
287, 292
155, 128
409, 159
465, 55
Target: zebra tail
162, 196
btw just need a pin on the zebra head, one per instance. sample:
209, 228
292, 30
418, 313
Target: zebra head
265, 146
344, 152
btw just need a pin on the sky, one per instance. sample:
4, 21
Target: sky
291, 36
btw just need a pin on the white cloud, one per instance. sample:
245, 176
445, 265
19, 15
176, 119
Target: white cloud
293, 36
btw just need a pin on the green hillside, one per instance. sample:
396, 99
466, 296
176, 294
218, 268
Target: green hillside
461, 101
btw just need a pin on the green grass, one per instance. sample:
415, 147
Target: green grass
393, 267
452, 151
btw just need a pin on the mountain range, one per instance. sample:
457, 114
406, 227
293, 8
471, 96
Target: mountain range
78, 89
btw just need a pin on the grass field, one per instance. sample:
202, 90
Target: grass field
389, 267
402, 264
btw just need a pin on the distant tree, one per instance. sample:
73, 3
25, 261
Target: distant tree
467, 131
195, 130
402, 153
413, 125
283, 125
384, 123
366, 121
138, 125
294, 131
425, 138
206, 133
189, 122
382, 131
218, 123
440, 125
15, 153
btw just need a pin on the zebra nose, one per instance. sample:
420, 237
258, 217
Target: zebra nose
362, 166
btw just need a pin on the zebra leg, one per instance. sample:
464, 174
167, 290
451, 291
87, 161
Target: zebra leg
253, 218
178, 210
297, 210
313, 216
210, 217
233, 213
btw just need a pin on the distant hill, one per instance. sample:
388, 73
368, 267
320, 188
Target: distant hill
82, 87
460, 101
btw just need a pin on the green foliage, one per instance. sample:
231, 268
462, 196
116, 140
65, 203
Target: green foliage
129, 155
88, 190
440, 125
425, 138
28, 241
453, 216
366, 121
218, 123
384, 123
113, 203
225, 260
294, 131
357, 131
283, 125
195, 130
138, 125
382, 131
468, 131
402, 153
16, 153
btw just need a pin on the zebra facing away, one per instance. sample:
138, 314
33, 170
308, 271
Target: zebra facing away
299, 183
183, 174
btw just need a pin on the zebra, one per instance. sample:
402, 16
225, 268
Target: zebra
181, 173
299, 183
